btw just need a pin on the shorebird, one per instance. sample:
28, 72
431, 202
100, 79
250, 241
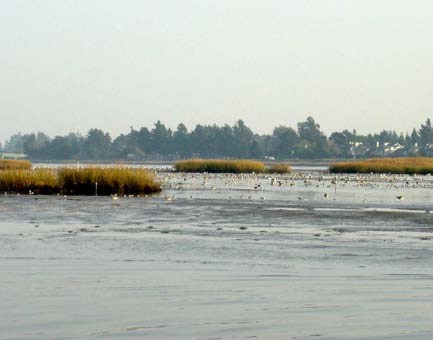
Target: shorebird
400, 197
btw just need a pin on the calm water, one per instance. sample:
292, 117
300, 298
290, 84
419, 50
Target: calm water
223, 257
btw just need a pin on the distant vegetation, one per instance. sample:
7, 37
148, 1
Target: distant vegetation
279, 169
107, 181
85, 181
229, 166
411, 166
40, 181
10, 164
220, 166
305, 141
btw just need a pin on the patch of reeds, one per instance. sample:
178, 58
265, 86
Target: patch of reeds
415, 165
85, 181
279, 169
107, 181
220, 166
39, 181
12, 164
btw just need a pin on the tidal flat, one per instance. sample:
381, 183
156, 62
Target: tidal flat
308, 255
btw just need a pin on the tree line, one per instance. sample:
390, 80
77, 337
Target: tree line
307, 141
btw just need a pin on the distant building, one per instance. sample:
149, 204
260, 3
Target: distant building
10, 155
390, 149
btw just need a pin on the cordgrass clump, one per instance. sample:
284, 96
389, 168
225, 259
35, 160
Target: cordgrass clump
220, 166
15, 164
279, 169
107, 181
410, 166
39, 182
85, 181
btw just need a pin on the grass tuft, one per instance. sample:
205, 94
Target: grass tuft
110, 181
39, 181
14, 164
220, 166
107, 181
411, 166
279, 169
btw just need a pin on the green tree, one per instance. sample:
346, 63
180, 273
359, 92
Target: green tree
284, 141
161, 139
313, 143
34, 144
181, 140
243, 138
15, 143
414, 137
256, 150
426, 137
62, 147
97, 144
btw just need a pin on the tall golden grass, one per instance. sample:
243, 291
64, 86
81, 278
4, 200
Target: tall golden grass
11, 164
415, 165
107, 181
279, 169
86, 181
220, 166
39, 181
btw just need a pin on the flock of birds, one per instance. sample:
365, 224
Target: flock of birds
327, 184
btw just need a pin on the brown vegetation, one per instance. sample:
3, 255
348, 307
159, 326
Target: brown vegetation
279, 169
107, 181
85, 181
10, 164
220, 166
39, 181
418, 165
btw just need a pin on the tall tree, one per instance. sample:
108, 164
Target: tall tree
243, 137
161, 138
426, 133
181, 140
313, 143
284, 141
97, 144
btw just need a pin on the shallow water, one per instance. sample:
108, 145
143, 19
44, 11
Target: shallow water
306, 256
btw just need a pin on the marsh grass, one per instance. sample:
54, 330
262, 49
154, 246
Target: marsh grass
85, 181
279, 169
416, 165
39, 181
15, 164
107, 181
220, 166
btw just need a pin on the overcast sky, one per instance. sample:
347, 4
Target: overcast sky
72, 65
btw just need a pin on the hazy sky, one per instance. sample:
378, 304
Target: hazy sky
69, 65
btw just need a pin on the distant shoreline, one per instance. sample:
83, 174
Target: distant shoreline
319, 162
